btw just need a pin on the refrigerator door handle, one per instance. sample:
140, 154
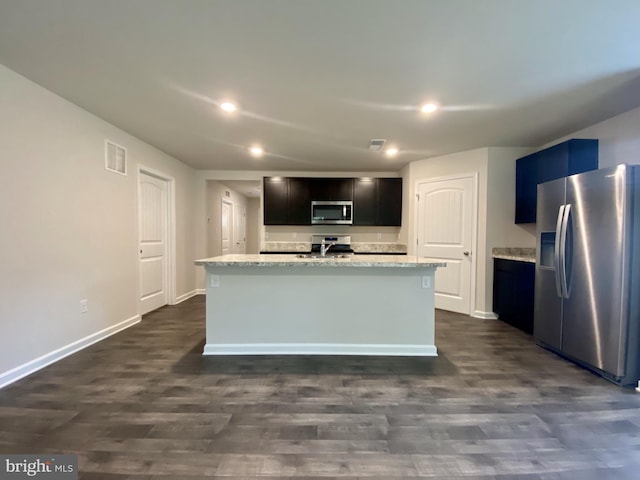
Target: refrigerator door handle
563, 251
556, 254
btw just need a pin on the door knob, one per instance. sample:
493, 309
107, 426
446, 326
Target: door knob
466, 253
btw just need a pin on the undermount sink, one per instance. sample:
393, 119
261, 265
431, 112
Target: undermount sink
320, 257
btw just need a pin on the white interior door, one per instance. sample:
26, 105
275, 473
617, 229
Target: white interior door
226, 226
153, 234
445, 232
240, 229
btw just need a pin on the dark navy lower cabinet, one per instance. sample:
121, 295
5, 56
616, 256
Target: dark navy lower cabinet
513, 292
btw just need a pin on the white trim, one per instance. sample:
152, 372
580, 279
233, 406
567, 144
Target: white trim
318, 349
188, 295
473, 294
33, 366
232, 233
171, 232
484, 315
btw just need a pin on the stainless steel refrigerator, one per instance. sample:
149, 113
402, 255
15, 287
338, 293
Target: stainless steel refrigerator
587, 292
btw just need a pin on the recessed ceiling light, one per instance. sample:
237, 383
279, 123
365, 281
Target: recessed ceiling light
428, 108
391, 152
228, 107
256, 151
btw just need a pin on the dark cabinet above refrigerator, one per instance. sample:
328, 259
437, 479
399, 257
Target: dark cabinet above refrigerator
567, 158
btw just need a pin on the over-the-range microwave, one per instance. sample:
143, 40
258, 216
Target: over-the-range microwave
337, 212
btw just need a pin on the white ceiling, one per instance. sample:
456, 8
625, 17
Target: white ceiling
317, 79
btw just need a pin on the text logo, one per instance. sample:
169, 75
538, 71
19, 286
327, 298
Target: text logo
51, 467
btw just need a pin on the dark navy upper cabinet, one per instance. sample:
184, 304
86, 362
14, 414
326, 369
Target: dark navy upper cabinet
567, 158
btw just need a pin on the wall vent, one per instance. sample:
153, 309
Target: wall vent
115, 157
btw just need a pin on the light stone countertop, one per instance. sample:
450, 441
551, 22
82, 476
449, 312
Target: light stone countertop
358, 247
518, 254
291, 260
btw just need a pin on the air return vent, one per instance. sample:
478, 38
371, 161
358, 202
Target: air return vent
376, 144
115, 157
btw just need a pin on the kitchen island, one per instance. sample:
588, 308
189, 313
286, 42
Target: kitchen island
351, 305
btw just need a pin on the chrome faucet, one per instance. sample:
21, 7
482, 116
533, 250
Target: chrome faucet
324, 247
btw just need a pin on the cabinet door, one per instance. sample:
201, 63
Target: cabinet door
364, 201
554, 162
319, 188
568, 158
276, 194
331, 188
389, 202
299, 202
583, 155
513, 293
342, 189
526, 188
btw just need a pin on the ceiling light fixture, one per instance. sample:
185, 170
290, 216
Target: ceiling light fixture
391, 152
228, 107
428, 108
256, 151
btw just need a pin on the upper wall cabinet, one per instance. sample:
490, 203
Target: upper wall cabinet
376, 201
331, 188
567, 158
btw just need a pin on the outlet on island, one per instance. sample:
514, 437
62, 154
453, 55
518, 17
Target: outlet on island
84, 306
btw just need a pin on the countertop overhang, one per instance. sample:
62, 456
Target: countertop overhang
290, 260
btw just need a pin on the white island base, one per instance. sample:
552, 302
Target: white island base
321, 307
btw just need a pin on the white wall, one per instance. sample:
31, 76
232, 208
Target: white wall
619, 139
495, 168
69, 227
254, 220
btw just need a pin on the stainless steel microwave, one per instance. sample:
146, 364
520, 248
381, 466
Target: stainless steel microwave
332, 212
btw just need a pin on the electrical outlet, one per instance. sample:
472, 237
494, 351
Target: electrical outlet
379, 236
214, 281
294, 235
84, 306
426, 282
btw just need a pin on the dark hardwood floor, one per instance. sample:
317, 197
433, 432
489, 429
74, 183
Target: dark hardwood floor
144, 404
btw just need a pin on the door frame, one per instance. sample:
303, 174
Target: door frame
473, 293
232, 205
170, 247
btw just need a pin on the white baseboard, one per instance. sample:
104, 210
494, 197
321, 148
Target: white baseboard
318, 349
28, 368
188, 295
484, 315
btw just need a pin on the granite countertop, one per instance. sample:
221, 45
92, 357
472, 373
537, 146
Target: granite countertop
291, 260
358, 247
518, 254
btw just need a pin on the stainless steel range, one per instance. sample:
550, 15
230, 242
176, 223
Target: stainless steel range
331, 244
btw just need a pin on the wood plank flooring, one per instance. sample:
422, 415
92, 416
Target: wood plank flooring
144, 404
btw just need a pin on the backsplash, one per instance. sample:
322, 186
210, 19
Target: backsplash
363, 239
302, 234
